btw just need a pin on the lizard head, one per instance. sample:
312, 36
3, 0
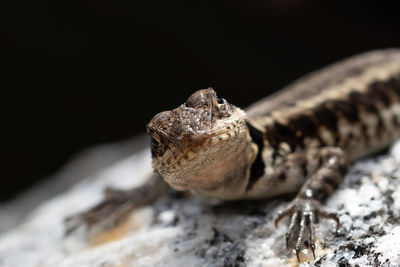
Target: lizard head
197, 144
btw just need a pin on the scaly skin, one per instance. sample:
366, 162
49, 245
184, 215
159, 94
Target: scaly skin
301, 139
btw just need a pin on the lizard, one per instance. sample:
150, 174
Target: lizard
300, 140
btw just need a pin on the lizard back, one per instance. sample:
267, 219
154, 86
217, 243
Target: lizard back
353, 104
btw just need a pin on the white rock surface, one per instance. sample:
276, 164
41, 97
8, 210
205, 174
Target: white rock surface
176, 231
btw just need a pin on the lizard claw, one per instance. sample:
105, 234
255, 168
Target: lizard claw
304, 213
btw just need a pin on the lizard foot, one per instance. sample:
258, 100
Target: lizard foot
304, 213
117, 205
112, 210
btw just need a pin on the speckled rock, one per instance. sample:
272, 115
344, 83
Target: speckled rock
180, 231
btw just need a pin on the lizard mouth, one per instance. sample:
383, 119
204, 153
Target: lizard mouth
187, 150
178, 185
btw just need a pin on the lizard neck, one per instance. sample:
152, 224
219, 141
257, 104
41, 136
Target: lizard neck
228, 178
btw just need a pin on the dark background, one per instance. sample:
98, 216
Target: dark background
79, 73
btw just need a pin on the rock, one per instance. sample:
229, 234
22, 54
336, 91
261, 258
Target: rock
179, 231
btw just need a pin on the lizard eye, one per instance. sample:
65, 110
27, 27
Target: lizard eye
220, 100
157, 147
154, 144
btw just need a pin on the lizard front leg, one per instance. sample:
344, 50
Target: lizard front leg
326, 168
118, 204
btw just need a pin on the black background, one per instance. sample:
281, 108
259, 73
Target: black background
79, 73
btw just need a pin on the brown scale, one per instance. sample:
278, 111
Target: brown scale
328, 114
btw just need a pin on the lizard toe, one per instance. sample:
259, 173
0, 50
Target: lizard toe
283, 213
304, 215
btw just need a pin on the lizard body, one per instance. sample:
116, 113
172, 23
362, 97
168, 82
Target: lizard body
353, 105
300, 139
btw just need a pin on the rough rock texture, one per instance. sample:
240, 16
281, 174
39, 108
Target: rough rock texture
179, 231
